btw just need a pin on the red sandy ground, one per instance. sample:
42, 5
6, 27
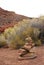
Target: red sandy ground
10, 57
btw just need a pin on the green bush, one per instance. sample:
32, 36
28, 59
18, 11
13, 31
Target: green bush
14, 36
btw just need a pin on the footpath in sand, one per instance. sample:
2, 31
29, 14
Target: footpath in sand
10, 57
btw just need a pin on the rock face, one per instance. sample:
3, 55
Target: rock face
9, 19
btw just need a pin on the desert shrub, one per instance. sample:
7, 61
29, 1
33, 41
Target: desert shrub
9, 35
38, 42
35, 34
17, 42
2, 40
35, 38
15, 37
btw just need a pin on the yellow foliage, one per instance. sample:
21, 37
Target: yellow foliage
38, 42
16, 36
2, 40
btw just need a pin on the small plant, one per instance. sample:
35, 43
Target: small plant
2, 40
